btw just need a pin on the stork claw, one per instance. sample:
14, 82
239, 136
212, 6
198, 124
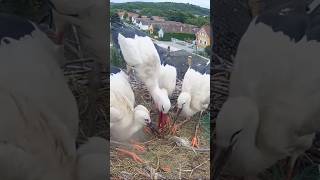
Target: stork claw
134, 156
195, 142
138, 147
174, 129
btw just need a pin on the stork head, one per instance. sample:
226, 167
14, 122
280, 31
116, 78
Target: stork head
238, 117
142, 115
184, 100
162, 101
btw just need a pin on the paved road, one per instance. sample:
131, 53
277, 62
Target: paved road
173, 46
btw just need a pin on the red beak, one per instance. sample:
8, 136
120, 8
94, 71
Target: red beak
163, 120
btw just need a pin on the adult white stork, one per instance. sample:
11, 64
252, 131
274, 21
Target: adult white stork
37, 132
194, 97
125, 119
273, 107
90, 18
141, 54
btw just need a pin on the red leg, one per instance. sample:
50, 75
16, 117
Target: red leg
147, 130
195, 140
134, 156
291, 165
137, 146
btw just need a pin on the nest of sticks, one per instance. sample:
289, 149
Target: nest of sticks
170, 157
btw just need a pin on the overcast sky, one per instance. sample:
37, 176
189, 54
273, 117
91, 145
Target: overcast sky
202, 3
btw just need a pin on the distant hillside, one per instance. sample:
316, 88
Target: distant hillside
185, 13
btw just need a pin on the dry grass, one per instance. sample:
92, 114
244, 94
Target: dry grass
163, 156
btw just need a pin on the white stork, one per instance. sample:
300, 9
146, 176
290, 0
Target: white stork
194, 97
38, 132
125, 119
141, 54
90, 18
273, 107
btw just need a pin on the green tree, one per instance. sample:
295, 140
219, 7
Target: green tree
208, 50
125, 15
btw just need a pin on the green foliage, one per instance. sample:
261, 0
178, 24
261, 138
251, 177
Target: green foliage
112, 12
180, 12
205, 122
208, 50
198, 21
125, 15
116, 59
180, 36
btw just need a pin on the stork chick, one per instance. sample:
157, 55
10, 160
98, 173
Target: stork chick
141, 54
194, 98
125, 119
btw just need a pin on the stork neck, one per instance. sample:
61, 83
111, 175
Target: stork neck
252, 157
155, 93
187, 108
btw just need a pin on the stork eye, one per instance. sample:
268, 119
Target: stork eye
234, 135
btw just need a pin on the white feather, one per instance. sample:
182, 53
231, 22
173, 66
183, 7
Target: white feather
197, 86
168, 77
123, 120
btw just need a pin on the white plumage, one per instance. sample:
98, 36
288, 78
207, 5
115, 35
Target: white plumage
168, 78
37, 131
91, 19
125, 118
141, 54
273, 107
195, 93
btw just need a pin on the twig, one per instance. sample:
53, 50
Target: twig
180, 171
74, 50
77, 72
149, 141
158, 162
198, 167
171, 149
81, 60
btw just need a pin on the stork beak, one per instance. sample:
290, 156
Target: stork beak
153, 128
220, 160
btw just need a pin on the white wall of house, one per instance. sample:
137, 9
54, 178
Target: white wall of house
160, 33
143, 27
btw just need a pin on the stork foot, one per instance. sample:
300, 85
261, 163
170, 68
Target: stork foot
137, 146
195, 142
174, 129
291, 166
147, 130
133, 155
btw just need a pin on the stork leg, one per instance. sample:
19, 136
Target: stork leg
195, 140
137, 146
133, 155
176, 127
291, 164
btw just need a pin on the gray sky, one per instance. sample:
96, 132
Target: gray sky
202, 3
